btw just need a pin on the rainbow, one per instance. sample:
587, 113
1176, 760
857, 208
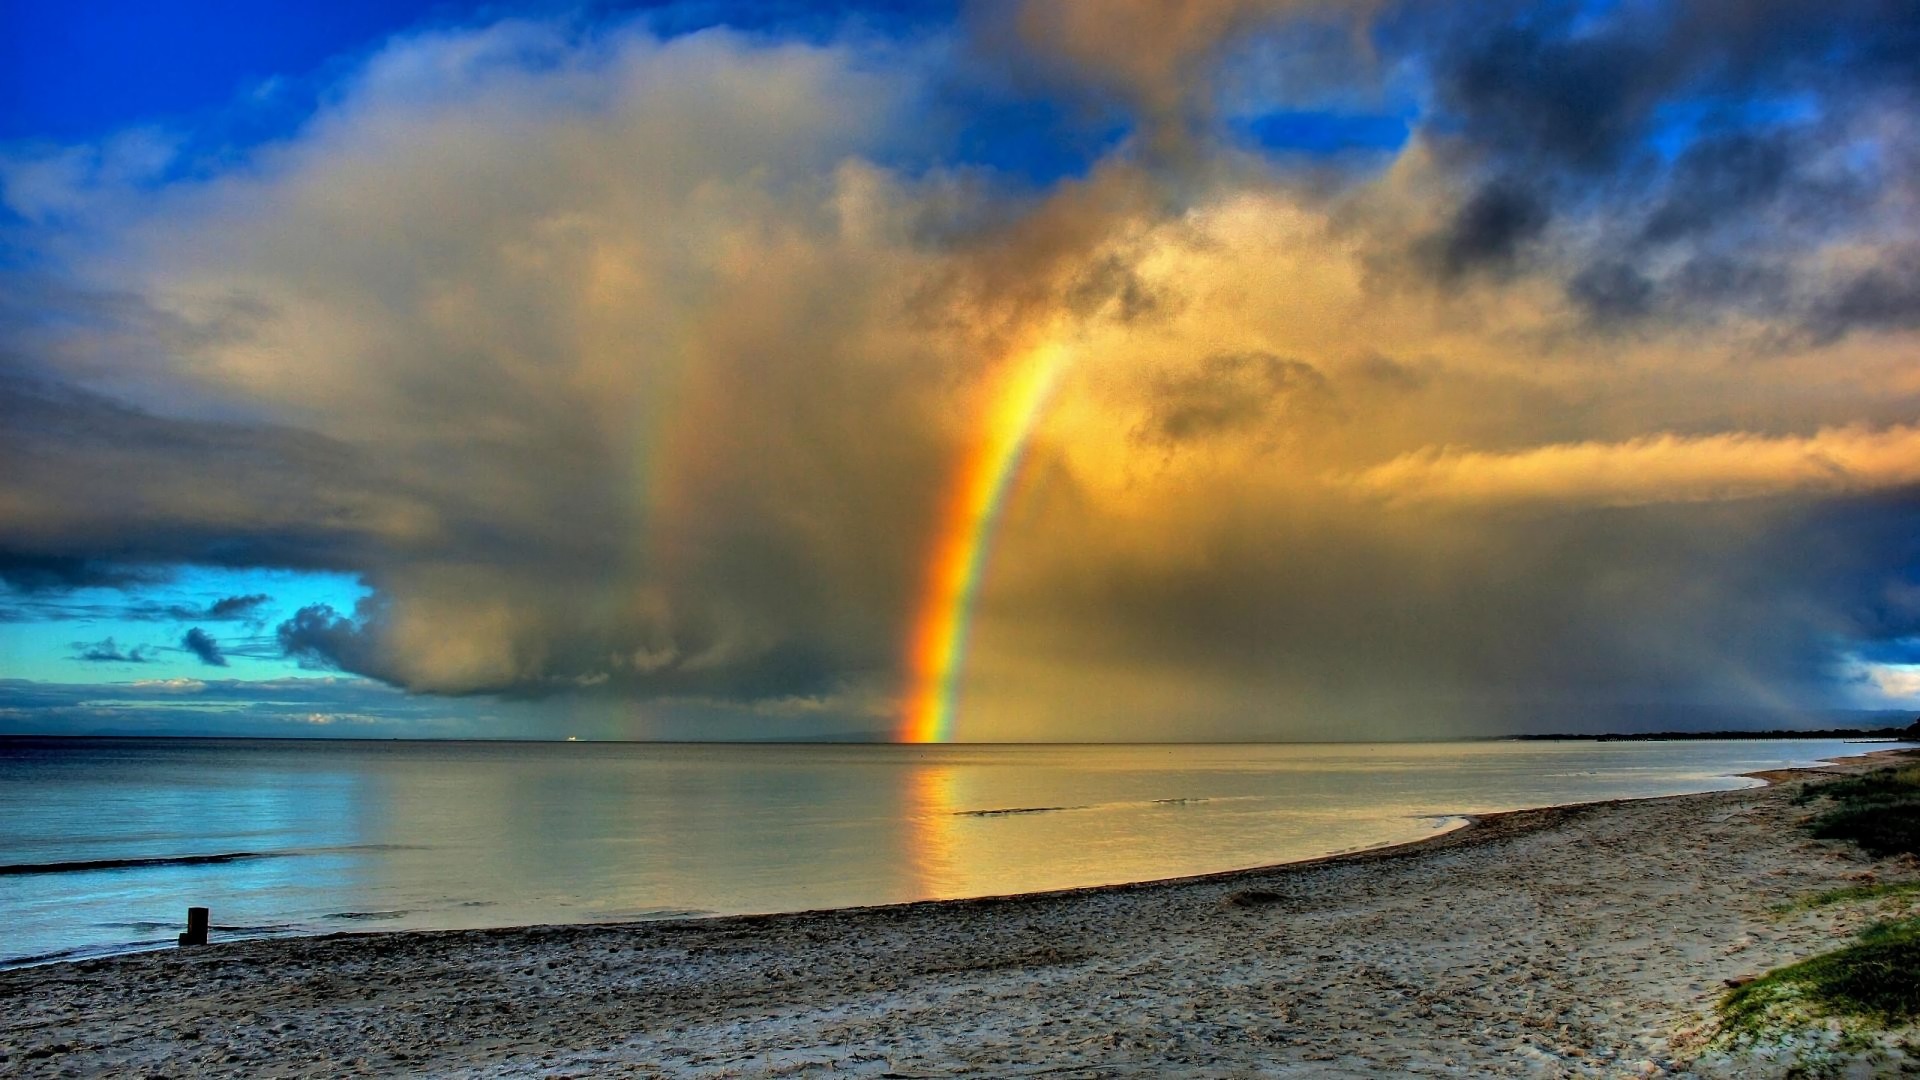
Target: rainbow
938, 643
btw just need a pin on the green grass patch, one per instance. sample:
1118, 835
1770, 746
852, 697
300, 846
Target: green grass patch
1879, 810
1890, 782
1869, 986
1854, 894
1874, 982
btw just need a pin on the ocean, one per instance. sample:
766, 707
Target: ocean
106, 842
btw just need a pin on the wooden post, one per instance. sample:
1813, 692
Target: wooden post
196, 927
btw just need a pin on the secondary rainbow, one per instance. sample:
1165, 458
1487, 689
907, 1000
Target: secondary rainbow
937, 649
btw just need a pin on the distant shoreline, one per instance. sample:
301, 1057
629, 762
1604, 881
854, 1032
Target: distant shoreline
1910, 733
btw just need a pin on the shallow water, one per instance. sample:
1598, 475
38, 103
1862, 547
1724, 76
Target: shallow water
282, 837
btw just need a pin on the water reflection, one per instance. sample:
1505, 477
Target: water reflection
931, 844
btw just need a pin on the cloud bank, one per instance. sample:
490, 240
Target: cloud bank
633, 368
1662, 468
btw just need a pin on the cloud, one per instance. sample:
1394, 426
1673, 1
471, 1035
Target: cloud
646, 243
248, 608
1231, 393
1490, 228
1684, 160
242, 608
68, 182
106, 652
55, 603
1655, 469
33, 573
208, 492
318, 636
201, 644
1157, 58
1895, 684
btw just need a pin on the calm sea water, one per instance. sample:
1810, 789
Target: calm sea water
391, 835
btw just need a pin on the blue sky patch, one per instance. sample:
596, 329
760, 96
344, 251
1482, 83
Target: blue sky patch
1323, 132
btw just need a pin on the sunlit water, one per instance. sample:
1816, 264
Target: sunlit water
391, 835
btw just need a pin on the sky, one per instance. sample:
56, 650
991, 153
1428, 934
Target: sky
1002, 371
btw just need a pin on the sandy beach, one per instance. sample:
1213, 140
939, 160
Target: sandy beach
1590, 940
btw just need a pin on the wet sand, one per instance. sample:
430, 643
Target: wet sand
1590, 940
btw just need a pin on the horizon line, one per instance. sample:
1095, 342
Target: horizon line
1645, 736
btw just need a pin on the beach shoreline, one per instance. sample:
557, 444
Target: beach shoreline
1446, 953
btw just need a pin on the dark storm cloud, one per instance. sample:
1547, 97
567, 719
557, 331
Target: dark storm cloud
1718, 178
1232, 393
1571, 89
202, 644
1548, 622
1524, 84
107, 652
1613, 291
1489, 230
1881, 297
318, 636
219, 493
32, 572
1701, 132
242, 608
1113, 286
85, 467
321, 638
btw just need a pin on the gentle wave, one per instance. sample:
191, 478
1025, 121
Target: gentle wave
1119, 805
84, 952
1017, 810
655, 914
118, 947
151, 925
83, 865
